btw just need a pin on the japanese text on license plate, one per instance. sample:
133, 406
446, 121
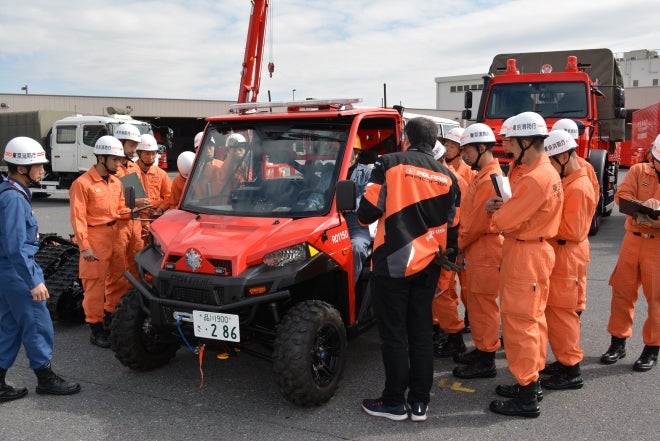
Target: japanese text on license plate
216, 325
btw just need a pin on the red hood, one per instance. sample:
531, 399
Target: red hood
242, 240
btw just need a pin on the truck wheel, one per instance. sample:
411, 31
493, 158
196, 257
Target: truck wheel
135, 342
309, 353
598, 159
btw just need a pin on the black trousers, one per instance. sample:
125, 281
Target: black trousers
405, 324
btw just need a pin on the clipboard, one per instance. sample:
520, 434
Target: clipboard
630, 207
502, 186
133, 180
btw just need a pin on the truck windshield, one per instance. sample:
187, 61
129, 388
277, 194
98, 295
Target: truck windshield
270, 169
550, 100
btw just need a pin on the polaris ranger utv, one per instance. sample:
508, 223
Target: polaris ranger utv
258, 252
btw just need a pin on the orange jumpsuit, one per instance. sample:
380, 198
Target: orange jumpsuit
178, 184
130, 241
571, 247
158, 187
481, 242
95, 206
208, 184
528, 219
445, 303
591, 173
463, 170
638, 261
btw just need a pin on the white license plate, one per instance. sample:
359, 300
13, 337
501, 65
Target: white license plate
216, 325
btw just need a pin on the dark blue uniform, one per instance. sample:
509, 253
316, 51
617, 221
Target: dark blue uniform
22, 320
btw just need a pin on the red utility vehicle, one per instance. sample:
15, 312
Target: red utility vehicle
588, 90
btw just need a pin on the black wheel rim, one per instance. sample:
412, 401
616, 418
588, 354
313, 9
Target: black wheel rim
326, 355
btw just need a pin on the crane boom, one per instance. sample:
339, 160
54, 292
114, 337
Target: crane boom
254, 46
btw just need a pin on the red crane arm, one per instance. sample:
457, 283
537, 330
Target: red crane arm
254, 46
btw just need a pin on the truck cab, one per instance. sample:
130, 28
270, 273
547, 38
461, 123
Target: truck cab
71, 145
589, 90
257, 254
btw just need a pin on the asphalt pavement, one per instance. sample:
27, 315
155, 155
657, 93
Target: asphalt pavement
239, 399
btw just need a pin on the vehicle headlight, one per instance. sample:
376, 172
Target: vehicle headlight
293, 254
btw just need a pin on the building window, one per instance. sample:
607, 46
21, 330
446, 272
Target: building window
481, 87
635, 83
655, 81
466, 87
474, 87
459, 88
452, 89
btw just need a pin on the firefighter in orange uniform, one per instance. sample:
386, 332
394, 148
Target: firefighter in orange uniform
637, 265
481, 242
571, 246
456, 164
157, 184
96, 203
445, 302
528, 220
570, 126
183, 163
130, 231
206, 182
235, 169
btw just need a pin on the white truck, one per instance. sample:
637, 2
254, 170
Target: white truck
71, 144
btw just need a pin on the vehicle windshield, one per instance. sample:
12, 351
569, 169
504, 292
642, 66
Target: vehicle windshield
270, 168
550, 100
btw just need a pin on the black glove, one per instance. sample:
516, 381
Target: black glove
442, 258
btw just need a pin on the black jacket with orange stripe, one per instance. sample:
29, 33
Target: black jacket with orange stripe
414, 198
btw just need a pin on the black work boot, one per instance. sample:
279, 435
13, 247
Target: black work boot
483, 367
467, 357
647, 360
49, 383
107, 319
569, 378
100, 336
454, 346
439, 336
524, 404
553, 368
7, 392
512, 390
616, 351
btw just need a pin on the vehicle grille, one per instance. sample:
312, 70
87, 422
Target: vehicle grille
203, 296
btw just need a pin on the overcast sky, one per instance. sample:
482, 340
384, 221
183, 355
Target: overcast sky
322, 48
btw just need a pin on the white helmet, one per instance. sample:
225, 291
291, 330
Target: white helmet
439, 150
147, 143
477, 133
655, 148
109, 145
527, 124
198, 140
455, 134
234, 139
127, 131
506, 126
558, 141
184, 163
24, 151
567, 125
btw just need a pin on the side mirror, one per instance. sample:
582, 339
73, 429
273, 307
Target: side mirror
620, 112
468, 100
466, 114
346, 195
619, 97
580, 126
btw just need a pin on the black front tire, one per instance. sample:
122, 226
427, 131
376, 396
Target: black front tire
135, 341
310, 353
